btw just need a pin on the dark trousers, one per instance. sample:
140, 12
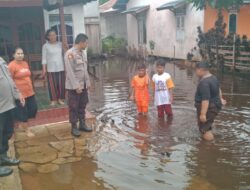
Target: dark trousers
56, 85
212, 112
77, 104
6, 130
29, 111
167, 108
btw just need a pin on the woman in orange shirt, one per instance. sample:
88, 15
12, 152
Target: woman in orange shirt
140, 90
21, 75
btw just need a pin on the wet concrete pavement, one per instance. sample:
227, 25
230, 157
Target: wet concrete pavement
143, 153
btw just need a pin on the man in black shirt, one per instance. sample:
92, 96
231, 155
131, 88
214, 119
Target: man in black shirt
208, 100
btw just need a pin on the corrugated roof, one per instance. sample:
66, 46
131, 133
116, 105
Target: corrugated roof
47, 4
172, 5
50, 6
108, 5
136, 10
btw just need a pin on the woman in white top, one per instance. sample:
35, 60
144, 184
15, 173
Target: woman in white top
53, 67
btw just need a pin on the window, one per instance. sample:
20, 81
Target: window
180, 22
180, 27
6, 43
54, 21
142, 30
232, 23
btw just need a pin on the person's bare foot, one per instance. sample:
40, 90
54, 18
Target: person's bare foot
61, 102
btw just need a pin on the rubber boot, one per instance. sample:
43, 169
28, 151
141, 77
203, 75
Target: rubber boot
83, 127
75, 131
5, 171
7, 161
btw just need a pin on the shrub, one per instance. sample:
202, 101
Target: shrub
113, 45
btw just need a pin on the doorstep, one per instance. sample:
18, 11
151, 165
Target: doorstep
54, 115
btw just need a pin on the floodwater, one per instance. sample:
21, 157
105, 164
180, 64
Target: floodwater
144, 153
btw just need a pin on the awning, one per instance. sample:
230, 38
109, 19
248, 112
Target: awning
136, 10
21, 3
54, 4
172, 5
111, 10
121, 4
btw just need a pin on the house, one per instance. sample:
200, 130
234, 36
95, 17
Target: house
24, 22
113, 22
237, 20
170, 25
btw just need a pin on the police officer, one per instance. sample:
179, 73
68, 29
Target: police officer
77, 84
8, 95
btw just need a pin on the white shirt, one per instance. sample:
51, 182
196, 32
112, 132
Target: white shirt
52, 56
162, 85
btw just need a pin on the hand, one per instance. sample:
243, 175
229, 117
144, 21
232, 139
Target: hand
79, 91
89, 88
132, 98
223, 101
22, 100
44, 73
171, 99
203, 118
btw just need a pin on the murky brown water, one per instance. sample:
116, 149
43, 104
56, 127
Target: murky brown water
130, 155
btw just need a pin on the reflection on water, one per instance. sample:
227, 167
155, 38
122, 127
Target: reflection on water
145, 153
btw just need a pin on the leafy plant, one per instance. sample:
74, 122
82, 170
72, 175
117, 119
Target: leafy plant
114, 45
215, 37
217, 4
152, 46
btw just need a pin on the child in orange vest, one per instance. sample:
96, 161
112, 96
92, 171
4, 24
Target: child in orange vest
140, 90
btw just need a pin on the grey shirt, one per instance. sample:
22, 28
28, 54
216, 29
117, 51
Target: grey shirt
76, 68
52, 56
8, 90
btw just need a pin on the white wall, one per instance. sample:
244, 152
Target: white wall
91, 9
161, 28
77, 16
114, 24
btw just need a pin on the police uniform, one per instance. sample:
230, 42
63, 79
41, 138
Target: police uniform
77, 77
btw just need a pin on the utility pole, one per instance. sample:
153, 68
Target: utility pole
63, 26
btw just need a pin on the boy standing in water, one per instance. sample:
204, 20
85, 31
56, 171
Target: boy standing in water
140, 90
208, 100
163, 90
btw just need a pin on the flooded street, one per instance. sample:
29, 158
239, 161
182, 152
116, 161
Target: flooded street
144, 153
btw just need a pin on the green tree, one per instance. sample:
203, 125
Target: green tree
218, 4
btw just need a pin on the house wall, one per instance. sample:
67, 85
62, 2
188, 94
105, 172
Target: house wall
77, 13
91, 9
243, 18
161, 28
114, 24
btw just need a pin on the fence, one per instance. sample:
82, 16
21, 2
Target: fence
234, 58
